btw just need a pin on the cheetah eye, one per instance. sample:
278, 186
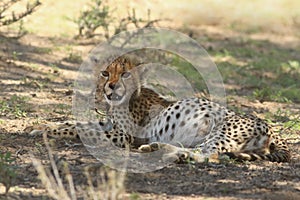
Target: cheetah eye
126, 74
105, 74
122, 64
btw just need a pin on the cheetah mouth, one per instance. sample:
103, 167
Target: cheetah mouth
114, 97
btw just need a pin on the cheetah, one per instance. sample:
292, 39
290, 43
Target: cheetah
191, 128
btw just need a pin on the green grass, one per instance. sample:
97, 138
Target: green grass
189, 72
269, 72
14, 107
43, 50
73, 57
7, 170
262, 70
134, 196
16, 55
63, 109
290, 122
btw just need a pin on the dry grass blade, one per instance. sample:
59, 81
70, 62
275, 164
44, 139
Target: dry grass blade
53, 184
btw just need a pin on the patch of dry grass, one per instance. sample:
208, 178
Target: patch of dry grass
279, 16
259, 14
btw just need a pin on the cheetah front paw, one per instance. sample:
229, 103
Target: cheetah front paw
36, 130
169, 153
154, 146
187, 155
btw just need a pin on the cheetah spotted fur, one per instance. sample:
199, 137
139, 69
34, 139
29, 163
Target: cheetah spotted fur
191, 128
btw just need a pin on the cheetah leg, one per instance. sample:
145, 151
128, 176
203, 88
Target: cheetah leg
57, 130
69, 129
178, 154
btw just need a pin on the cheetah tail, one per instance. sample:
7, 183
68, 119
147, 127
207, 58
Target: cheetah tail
276, 156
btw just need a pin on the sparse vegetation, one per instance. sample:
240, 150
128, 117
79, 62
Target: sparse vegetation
102, 183
270, 75
73, 57
269, 94
189, 72
7, 170
63, 109
99, 20
257, 70
134, 196
96, 16
15, 107
9, 16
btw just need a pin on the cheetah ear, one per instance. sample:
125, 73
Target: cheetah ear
133, 59
139, 73
142, 71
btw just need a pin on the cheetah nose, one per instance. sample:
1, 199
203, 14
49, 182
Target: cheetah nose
112, 86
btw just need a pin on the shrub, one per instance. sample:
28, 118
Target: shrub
9, 16
98, 18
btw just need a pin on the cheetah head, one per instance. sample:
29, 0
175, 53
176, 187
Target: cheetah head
118, 81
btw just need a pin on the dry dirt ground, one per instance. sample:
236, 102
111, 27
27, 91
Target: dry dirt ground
42, 70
